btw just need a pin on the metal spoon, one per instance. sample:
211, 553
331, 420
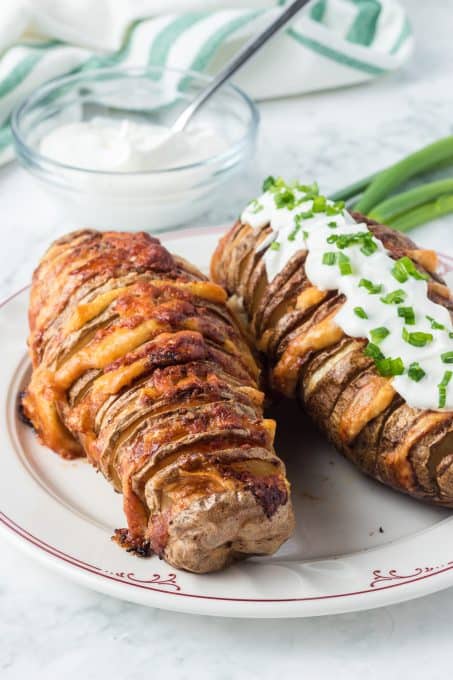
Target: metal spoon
247, 51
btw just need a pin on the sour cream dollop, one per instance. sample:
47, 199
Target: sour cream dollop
114, 145
410, 337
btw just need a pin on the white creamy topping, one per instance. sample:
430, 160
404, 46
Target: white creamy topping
402, 324
108, 144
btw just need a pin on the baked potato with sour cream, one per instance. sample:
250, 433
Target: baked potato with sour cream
138, 364
310, 357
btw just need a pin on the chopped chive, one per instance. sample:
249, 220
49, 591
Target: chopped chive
332, 225
379, 334
389, 367
418, 338
443, 388
255, 206
412, 269
416, 372
404, 267
275, 245
360, 312
319, 204
373, 351
306, 215
408, 314
447, 357
285, 199
305, 234
435, 324
394, 298
399, 272
450, 335
269, 183
344, 264
372, 288
329, 258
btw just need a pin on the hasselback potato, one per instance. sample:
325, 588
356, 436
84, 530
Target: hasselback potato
138, 364
333, 374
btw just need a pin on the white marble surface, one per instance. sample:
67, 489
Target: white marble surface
50, 628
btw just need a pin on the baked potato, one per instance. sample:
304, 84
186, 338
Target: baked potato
310, 357
138, 364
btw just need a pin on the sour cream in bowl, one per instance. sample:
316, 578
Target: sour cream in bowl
100, 142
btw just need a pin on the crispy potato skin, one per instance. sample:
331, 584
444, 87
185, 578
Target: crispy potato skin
139, 365
288, 319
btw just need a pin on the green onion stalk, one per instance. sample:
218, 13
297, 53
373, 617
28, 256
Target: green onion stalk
403, 211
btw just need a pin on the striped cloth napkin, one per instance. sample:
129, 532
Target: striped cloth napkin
331, 43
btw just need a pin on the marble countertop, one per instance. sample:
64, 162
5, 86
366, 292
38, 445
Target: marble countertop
51, 628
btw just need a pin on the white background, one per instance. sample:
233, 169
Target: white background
50, 628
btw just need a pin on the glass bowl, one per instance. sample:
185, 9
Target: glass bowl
152, 200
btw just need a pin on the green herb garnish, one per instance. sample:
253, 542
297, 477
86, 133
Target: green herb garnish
275, 245
344, 264
443, 388
269, 183
332, 225
394, 298
416, 372
435, 324
404, 267
379, 334
360, 312
373, 351
417, 338
447, 357
368, 246
329, 258
408, 314
389, 367
372, 288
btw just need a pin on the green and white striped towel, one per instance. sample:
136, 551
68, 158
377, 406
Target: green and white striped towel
331, 44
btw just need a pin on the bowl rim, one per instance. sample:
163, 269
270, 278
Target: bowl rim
25, 150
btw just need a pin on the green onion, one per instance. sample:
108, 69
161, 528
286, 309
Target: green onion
447, 357
332, 225
404, 267
388, 180
424, 213
344, 264
372, 288
400, 204
373, 351
435, 324
394, 298
443, 388
362, 237
416, 372
269, 183
360, 312
379, 334
329, 258
255, 206
389, 367
399, 272
418, 338
335, 209
450, 335
306, 215
305, 234
408, 314
285, 199
319, 204
293, 234
275, 245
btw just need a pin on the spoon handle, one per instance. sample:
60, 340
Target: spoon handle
238, 60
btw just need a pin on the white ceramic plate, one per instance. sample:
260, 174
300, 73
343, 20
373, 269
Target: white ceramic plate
357, 544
